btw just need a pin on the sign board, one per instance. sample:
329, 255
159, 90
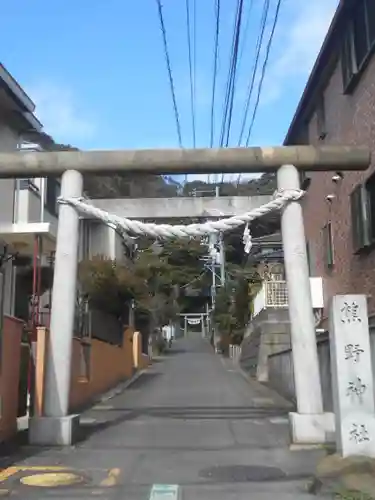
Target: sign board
164, 492
352, 378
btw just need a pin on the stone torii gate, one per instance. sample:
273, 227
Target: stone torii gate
309, 424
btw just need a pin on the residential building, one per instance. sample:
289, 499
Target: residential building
16, 119
29, 215
338, 107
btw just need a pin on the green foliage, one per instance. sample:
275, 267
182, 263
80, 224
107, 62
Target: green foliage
109, 285
154, 281
232, 308
157, 283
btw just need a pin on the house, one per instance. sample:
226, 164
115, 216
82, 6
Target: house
338, 107
29, 215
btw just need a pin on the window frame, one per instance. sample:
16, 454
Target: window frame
52, 207
360, 217
321, 123
351, 70
328, 245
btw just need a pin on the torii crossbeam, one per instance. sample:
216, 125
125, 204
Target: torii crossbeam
191, 161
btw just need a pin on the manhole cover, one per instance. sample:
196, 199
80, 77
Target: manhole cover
242, 473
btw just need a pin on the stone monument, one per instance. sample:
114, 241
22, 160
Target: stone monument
352, 377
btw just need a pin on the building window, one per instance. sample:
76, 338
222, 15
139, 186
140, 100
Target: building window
328, 245
30, 184
52, 193
321, 118
362, 203
359, 40
310, 259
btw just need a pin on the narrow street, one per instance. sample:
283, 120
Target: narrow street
191, 420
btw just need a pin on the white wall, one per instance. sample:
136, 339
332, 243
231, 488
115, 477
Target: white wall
9, 140
98, 239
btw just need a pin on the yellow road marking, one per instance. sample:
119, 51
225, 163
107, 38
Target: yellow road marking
52, 480
11, 471
112, 478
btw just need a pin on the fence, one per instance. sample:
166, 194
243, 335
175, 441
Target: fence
234, 352
272, 294
275, 294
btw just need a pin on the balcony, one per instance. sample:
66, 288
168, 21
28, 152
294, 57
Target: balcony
274, 294
25, 214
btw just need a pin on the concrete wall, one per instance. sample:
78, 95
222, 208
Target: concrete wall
9, 376
97, 367
9, 140
267, 333
281, 371
102, 240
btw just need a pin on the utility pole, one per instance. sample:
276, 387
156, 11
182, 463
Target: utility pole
222, 259
221, 247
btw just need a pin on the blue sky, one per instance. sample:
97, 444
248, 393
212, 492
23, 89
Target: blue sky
96, 68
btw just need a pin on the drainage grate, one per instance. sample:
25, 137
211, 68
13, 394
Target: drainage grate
242, 474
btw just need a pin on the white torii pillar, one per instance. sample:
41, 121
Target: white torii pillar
56, 426
309, 424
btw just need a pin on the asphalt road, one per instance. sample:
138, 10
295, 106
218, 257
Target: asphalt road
192, 422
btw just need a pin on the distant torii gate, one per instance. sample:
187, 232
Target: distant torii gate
196, 318
309, 424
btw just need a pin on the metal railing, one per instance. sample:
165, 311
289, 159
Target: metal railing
234, 352
274, 294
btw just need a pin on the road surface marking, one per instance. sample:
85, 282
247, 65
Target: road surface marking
279, 420
164, 492
10, 471
112, 478
52, 480
263, 401
87, 421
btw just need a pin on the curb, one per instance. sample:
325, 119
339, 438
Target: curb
121, 387
287, 405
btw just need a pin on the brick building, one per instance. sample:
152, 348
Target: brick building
338, 107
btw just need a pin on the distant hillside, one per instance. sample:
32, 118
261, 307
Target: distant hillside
157, 186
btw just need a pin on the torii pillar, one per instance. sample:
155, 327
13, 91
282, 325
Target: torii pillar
57, 426
309, 424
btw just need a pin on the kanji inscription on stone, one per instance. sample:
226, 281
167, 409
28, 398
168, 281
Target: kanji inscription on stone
352, 381
353, 352
351, 312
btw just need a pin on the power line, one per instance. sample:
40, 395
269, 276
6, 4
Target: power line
232, 62
192, 89
194, 61
238, 32
216, 53
246, 31
229, 97
171, 83
268, 50
263, 23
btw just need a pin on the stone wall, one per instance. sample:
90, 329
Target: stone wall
281, 377
267, 334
